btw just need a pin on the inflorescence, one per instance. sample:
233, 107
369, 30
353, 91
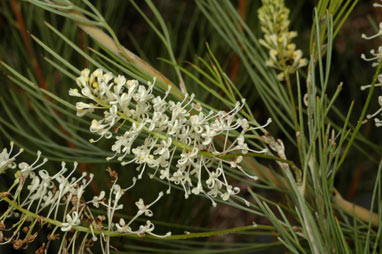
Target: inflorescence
376, 57
180, 132
59, 199
283, 55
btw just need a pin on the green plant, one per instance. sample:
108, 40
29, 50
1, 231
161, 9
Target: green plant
181, 134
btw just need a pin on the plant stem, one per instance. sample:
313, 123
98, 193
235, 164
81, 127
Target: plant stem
111, 233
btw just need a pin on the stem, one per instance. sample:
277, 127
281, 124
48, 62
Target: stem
111, 233
296, 126
356, 210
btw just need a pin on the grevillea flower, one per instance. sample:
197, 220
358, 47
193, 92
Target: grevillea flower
375, 58
283, 55
41, 193
173, 131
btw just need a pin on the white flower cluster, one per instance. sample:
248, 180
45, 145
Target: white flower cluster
283, 55
179, 131
376, 58
50, 195
376, 55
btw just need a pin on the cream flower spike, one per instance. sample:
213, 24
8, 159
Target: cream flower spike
176, 133
283, 55
59, 200
376, 54
375, 58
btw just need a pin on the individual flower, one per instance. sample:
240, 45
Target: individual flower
98, 199
71, 220
376, 56
378, 122
6, 161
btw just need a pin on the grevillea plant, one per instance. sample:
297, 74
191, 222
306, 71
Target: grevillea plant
235, 146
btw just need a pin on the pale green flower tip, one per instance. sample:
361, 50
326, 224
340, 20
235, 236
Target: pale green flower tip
378, 123
281, 76
278, 38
